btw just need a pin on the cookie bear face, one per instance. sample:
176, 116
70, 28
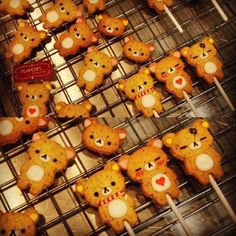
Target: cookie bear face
100, 61
190, 141
137, 84
20, 224
137, 51
110, 26
49, 153
101, 138
101, 185
34, 92
200, 52
143, 164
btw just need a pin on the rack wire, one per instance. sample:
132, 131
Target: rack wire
63, 211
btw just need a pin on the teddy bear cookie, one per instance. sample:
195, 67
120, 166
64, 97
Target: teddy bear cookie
12, 128
17, 223
137, 51
26, 38
46, 158
193, 146
94, 5
140, 89
159, 5
202, 56
111, 26
59, 13
101, 138
105, 190
97, 65
170, 71
14, 7
34, 98
81, 110
79, 36
148, 166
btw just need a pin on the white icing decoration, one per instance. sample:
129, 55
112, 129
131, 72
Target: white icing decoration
19, 119
14, 3
135, 53
52, 16
89, 75
210, 68
45, 158
117, 208
33, 98
67, 43
179, 82
93, 1
18, 49
99, 142
204, 55
148, 100
204, 162
32, 111
107, 192
195, 146
150, 166
171, 70
160, 182
35, 173
6, 127
109, 29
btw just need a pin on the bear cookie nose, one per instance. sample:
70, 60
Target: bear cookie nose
99, 142
202, 45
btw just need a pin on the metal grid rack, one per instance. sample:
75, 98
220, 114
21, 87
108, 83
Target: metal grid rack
63, 212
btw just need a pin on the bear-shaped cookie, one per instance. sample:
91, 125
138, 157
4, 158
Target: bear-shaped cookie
101, 138
81, 110
61, 12
94, 5
78, 36
137, 51
111, 26
202, 56
14, 7
12, 128
97, 65
105, 190
193, 146
26, 38
46, 158
140, 89
159, 5
170, 70
20, 224
34, 98
148, 166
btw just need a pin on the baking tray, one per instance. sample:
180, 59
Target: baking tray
63, 212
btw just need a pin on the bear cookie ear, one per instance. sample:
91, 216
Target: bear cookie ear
32, 214
175, 54
153, 67
113, 166
121, 85
89, 121
128, 39
70, 153
39, 136
151, 47
168, 139
60, 105
184, 51
201, 122
155, 143
79, 187
122, 133
123, 162
125, 21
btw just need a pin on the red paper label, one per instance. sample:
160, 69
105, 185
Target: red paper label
41, 70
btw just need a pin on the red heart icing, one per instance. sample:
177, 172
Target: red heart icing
179, 81
161, 181
32, 110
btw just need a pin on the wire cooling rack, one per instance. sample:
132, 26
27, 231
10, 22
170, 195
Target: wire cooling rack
64, 213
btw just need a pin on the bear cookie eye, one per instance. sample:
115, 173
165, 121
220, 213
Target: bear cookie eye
108, 143
3, 231
91, 136
96, 194
113, 183
22, 231
37, 151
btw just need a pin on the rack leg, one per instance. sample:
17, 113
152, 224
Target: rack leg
178, 215
195, 111
219, 9
129, 228
222, 198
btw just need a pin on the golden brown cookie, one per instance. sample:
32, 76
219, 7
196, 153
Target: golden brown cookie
20, 224
61, 12
202, 56
158, 5
12, 128
140, 89
97, 65
34, 98
137, 51
102, 138
14, 7
147, 166
94, 5
170, 70
46, 158
105, 190
81, 110
26, 38
111, 26
79, 36
193, 146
